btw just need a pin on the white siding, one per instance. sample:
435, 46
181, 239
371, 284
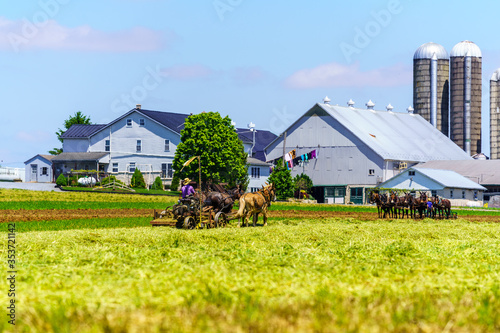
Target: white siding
39, 163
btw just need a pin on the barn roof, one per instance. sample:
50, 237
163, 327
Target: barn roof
486, 172
440, 178
394, 136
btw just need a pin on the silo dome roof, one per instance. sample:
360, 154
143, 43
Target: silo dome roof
496, 75
427, 51
464, 48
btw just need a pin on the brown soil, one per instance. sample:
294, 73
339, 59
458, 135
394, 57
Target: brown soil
68, 214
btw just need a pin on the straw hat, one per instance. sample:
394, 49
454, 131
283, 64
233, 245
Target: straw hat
186, 181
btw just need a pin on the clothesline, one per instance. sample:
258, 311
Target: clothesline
292, 159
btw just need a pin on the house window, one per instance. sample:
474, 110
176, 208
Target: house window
141, 122
139, 146
167, 145
411, 173
463, 194
254, 189
107, 145
45, 171
131, 167
166, 170
115, 167
371, 172
451, 194
255, 172
129, 122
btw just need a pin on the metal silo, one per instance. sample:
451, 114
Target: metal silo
465, 96
431, 69
495, 115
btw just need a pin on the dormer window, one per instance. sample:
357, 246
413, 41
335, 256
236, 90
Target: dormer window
129, 122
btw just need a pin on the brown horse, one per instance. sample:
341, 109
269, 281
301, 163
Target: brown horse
442, 206
255, 203
221, 201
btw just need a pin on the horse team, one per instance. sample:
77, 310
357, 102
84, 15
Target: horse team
394, 206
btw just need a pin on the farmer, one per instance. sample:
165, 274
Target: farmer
429, 208
187, 189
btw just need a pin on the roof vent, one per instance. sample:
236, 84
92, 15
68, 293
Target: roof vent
138, 106
350, 103
326, 100
389, 107
410, 109
370, 105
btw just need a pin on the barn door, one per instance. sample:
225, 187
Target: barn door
357, 195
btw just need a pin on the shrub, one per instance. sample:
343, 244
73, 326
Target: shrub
158, 184
137, 180
175, 183
61, 180
281, 177
302, 185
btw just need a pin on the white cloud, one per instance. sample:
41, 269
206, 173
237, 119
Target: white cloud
26, 35
338, 75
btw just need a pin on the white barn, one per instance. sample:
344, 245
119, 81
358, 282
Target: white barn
447, 184
355, 149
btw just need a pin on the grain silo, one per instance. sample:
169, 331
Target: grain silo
465, 96
495, 115
431, 69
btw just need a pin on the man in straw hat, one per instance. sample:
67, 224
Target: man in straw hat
187, 189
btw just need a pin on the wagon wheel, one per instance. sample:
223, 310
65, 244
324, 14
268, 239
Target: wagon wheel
220, 220
189, 223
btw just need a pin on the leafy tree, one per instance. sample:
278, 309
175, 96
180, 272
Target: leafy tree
61, 180
77, 118
302, 182
137, 180
281, 177
158, 184
214, 139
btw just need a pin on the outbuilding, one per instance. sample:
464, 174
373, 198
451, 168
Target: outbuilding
447, 184
38, 169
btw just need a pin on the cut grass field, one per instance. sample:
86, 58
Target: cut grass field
306, 275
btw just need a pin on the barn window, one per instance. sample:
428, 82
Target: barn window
129, 122
463, 194
433, 193
107, 145
371, 172
139, 146
411, 173
451, 194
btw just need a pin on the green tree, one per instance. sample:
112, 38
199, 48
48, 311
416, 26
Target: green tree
158, 184
77, 118
281, 177
214, 139
137, 180
302, 182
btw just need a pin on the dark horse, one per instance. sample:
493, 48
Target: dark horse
221, 200
442, 206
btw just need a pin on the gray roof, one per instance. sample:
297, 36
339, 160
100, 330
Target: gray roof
262, 139
254, 161
444, 178
46, 157
486, 172
74, 157
395, 135
449, 178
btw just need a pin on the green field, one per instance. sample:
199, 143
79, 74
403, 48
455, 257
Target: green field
295, 275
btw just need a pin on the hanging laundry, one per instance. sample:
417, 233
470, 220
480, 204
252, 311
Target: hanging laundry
292, 154
288, 157
313, 154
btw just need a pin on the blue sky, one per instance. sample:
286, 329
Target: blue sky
256, 61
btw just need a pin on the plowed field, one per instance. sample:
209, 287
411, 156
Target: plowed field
68, 214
